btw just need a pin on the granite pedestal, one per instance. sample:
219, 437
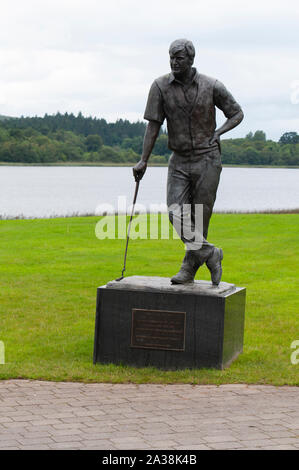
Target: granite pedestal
146, 321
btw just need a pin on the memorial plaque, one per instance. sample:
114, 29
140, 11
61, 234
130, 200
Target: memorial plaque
158, 329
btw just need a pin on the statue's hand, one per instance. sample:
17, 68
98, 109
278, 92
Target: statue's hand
215, 139
139, 170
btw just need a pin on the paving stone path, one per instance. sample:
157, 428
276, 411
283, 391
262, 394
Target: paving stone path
49, 415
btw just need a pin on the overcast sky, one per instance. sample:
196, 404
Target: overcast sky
100, 57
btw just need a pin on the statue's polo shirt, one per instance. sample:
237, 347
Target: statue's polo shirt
189, 110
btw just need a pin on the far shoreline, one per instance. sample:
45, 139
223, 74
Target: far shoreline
130, 165
83, 215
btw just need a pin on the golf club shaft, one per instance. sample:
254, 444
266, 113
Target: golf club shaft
129, 227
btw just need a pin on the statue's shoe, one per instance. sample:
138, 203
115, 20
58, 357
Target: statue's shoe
182, 277
214, 265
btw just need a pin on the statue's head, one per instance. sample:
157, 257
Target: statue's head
182, 53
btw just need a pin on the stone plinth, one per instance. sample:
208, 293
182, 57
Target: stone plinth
146, 321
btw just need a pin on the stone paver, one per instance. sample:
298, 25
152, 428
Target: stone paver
50, 415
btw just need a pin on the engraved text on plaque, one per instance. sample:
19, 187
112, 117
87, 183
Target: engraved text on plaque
158, 329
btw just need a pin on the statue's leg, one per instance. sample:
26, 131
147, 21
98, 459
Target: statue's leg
205, 179
179, 193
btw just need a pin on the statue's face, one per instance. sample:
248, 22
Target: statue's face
180, 63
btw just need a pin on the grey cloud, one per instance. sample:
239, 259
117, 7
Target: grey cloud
101, 58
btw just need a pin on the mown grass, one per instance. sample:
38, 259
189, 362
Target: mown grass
50, 270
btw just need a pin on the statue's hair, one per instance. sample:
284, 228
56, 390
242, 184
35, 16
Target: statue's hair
183, 45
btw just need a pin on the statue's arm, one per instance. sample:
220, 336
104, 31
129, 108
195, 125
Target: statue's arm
229, 124
150, 137
224, 100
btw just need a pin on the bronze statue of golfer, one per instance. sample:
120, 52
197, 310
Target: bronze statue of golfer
187, 100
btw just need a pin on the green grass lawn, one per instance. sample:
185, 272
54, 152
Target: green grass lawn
50, 271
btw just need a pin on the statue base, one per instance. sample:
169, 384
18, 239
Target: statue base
146, 321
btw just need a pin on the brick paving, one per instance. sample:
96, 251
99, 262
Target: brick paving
50, 415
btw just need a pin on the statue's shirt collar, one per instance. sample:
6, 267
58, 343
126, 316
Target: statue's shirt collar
194, 79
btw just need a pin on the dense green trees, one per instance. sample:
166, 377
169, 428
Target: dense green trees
289, 138
111, 133
65, 137
255, 149
93, 142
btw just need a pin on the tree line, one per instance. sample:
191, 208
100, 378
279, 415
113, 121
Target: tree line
70, 138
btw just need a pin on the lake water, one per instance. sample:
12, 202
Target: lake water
62, 191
